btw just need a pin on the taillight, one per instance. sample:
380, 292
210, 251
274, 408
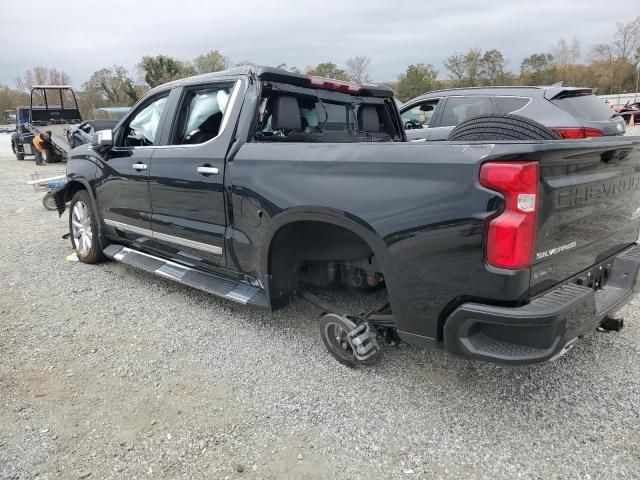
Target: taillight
577, 133
332, 84
512, 234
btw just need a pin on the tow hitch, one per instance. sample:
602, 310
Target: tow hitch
612, 324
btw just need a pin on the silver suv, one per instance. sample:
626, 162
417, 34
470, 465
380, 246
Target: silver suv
572, 112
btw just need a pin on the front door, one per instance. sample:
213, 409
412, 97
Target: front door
123, 189
186, 178
418, 117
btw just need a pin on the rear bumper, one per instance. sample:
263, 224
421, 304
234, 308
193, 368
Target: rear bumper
546, 327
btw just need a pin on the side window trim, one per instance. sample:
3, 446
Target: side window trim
437, 113
170, 111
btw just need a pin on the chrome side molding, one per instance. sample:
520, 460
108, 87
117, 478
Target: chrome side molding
205, 247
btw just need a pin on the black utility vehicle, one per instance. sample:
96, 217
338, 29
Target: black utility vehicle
52, 108
22, 137
256, 183
572, 112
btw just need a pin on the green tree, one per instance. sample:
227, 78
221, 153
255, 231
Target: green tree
493, 66
161, 69
418, 79
465, 69
537, 69
111, 87
329, 70
213, 61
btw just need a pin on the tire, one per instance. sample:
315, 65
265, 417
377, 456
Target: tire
83, 222
497, 126
19, 154
340, 348
49, 202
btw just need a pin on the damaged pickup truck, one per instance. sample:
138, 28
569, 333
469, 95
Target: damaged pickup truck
255, 184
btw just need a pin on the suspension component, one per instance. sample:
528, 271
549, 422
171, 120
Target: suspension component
352, 345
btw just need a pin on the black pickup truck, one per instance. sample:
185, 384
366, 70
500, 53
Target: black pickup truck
257, 184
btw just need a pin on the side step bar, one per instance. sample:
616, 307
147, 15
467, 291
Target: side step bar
219, 285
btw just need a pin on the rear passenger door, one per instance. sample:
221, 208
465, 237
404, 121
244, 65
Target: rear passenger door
186, 177
458, 109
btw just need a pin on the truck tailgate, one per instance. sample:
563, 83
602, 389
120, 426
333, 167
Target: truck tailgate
589, 209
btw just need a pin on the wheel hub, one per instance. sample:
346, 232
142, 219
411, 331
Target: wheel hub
81, 228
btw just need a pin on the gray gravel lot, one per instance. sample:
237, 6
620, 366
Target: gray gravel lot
108, 372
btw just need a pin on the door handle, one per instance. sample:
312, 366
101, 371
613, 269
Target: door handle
139, 166
205, 170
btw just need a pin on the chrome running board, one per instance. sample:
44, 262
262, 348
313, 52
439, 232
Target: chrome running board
215, 284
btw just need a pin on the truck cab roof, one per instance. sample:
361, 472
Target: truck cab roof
282, 76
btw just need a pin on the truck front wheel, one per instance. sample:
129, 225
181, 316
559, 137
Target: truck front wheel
83, 225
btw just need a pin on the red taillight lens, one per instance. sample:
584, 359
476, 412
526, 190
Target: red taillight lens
577, 133
512, 234
332, 84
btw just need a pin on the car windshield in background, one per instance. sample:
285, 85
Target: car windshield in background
584, 107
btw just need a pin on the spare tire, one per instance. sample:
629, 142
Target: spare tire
501, 126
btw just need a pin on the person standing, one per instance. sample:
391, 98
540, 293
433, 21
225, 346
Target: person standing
40, 142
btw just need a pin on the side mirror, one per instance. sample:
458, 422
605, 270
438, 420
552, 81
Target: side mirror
103, 138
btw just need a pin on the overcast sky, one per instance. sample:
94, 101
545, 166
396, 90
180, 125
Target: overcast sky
80, 37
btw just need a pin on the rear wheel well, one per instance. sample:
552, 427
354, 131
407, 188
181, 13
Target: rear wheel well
317, 253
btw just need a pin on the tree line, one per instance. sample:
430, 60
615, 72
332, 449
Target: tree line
607, 67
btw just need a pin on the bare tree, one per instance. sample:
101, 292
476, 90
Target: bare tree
357, 69
627, 39
565, 58
457, 68
602, 55
42, 76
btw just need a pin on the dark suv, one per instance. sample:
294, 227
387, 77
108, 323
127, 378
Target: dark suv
571, 111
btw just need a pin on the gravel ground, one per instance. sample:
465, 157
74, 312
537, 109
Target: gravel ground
108, 372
